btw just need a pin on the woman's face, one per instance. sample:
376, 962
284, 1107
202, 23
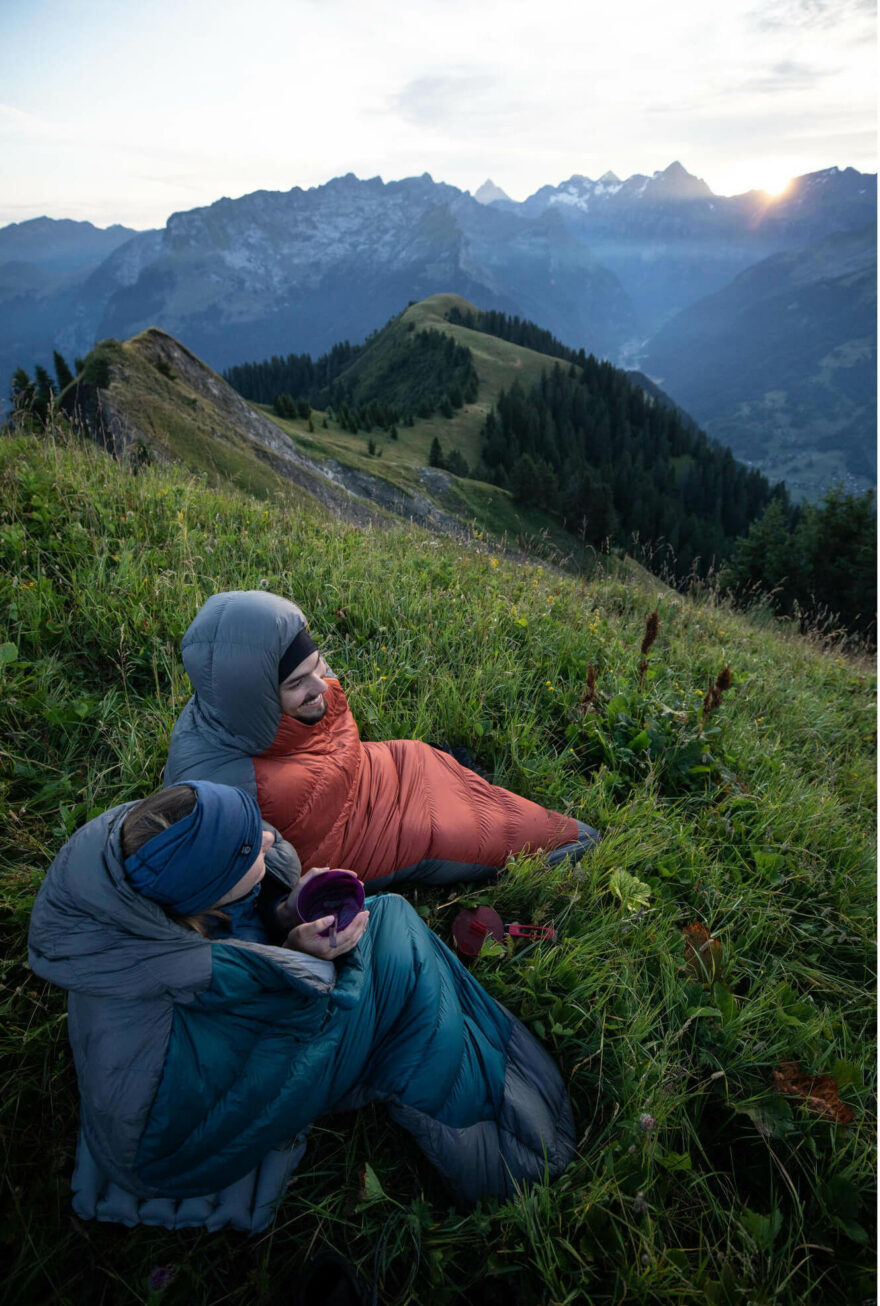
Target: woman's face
252, 876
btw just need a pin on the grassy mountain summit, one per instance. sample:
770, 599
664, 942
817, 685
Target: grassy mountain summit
709, 997
565, 433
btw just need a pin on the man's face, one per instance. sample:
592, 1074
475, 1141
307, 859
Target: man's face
301, 695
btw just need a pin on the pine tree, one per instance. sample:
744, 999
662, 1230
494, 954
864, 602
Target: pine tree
63, 374
22, 391
435, 457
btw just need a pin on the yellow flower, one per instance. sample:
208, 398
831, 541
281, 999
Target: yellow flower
493, 562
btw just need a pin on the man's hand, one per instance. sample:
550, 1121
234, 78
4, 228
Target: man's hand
307, 937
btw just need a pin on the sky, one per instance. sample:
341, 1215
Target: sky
129, 112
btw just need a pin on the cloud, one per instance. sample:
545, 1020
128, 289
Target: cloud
788, 15
435, 101
787, 75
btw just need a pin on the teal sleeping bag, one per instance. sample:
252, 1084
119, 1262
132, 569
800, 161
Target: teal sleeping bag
203, 1062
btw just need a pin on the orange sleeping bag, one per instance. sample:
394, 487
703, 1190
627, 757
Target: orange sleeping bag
381, 807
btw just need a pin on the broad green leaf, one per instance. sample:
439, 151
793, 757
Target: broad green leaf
676, 1161
633, 893
842, 1197
763, 1228
8, 653
853, 1230
846, 1072
725, 1002
771, 1116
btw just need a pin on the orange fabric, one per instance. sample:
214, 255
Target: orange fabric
377, 807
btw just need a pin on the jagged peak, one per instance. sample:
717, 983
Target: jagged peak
489, 192
676, 183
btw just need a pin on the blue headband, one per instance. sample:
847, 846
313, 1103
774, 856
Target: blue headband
190, 865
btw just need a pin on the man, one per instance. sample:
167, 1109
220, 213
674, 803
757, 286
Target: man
269, 716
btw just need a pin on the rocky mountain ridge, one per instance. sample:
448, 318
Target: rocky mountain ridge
602, 264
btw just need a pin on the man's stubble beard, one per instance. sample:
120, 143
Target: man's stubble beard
312, 715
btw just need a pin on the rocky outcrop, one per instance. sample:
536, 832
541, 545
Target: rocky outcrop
113, 410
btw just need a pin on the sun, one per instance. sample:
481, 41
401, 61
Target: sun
768, 175
775, 187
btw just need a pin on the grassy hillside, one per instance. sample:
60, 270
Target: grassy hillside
697, 1179
167, 414
151, 397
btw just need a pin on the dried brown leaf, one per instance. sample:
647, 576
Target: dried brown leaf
702, 953
818, 1093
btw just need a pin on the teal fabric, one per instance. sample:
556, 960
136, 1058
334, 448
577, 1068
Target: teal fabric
201, 1063
251, 1062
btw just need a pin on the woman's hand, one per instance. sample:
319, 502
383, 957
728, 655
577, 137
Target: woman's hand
285, 910
307, 937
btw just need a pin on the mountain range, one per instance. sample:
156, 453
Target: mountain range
781, 364
605, 265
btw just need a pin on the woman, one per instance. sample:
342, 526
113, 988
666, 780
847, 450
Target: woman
209, 1030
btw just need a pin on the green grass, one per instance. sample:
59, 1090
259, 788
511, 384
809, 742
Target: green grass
729, 1193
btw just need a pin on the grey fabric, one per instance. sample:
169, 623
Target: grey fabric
125, 964
534, 1109
231, 653
248, 1205
282, 859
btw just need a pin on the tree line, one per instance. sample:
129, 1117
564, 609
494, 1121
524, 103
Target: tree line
817, 562
34, 396
397, 375
518, 330
590, 447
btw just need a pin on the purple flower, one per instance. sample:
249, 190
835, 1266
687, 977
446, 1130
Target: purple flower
647, 1122
160, 1277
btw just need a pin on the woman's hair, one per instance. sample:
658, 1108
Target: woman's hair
154, 814
150, 817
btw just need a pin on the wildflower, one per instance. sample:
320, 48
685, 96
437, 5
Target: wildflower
640, 1206
647, 1122
652, 626
714, 692
160, 1277
264, 584
493, 562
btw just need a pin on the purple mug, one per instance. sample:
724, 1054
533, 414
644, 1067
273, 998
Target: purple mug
330, 893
